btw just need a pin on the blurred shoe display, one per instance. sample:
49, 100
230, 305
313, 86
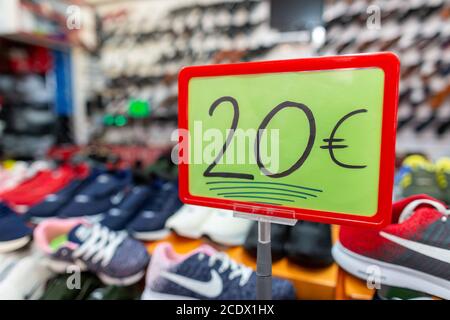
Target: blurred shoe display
114, 257
25, 279
14, 233
204, 274
93, 201
65, 287
420, 177
412, 252
309, 244
150, 222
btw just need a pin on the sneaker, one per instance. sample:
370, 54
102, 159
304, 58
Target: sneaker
412, 252
150, 223
14, 233
309, 244
420, 178
118, 217
97, 198
204, 274
223, 228
53, 202
394, 293
132, 292
278, 237
25, 280
443, 178
188, 221
59, 288
113, 256
35, 189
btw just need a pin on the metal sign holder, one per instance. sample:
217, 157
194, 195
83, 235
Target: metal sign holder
264, 254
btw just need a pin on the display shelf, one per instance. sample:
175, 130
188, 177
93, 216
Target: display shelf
354, 288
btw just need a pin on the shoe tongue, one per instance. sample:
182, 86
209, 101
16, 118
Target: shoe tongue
79, 234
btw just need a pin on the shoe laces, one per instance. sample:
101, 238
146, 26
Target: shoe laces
101, 245
409, 210
237, 270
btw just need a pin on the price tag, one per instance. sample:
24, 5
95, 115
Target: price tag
310, 139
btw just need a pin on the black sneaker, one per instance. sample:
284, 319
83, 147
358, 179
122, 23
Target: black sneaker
279, 235
309, 244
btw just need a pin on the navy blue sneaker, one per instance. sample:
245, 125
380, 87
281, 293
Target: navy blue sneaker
149, 224
14, 233
118, 217
52, 203
116, 258
204, 274
93, 201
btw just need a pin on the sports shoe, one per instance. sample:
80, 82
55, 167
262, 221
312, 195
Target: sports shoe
419, 178
149, 224
309, 244
394, 293
413, 252
443, 178
25, 279
97, 198
14, 233
223, 228
35, 189
53, 202
278, 237
58, 287
204, 274
188, 221
113, 256
118, 217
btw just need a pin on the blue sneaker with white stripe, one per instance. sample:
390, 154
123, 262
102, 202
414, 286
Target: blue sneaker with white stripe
93, 201
204, 274
116, 258
14, 233
118, 217
149, 224
52, 203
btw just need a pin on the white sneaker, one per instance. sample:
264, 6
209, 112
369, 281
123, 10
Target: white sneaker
24, 279
225, 229
188, 221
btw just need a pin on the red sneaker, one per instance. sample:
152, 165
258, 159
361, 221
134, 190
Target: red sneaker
413, 252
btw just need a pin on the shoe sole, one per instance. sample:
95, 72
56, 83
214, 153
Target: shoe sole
151, 235
152, 295
13, 245
390, 274
64, 267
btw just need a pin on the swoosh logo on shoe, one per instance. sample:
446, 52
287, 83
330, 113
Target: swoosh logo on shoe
210, 289
116, 199
437, 253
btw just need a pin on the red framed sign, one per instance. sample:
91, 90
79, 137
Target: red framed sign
308, 139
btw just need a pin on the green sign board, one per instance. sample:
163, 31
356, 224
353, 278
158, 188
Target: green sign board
300, 142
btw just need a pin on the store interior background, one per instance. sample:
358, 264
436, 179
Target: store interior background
99, 77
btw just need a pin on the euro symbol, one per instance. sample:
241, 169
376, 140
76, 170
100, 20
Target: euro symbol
331, 146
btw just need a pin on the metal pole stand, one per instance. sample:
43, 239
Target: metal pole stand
264, 252
264, 263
